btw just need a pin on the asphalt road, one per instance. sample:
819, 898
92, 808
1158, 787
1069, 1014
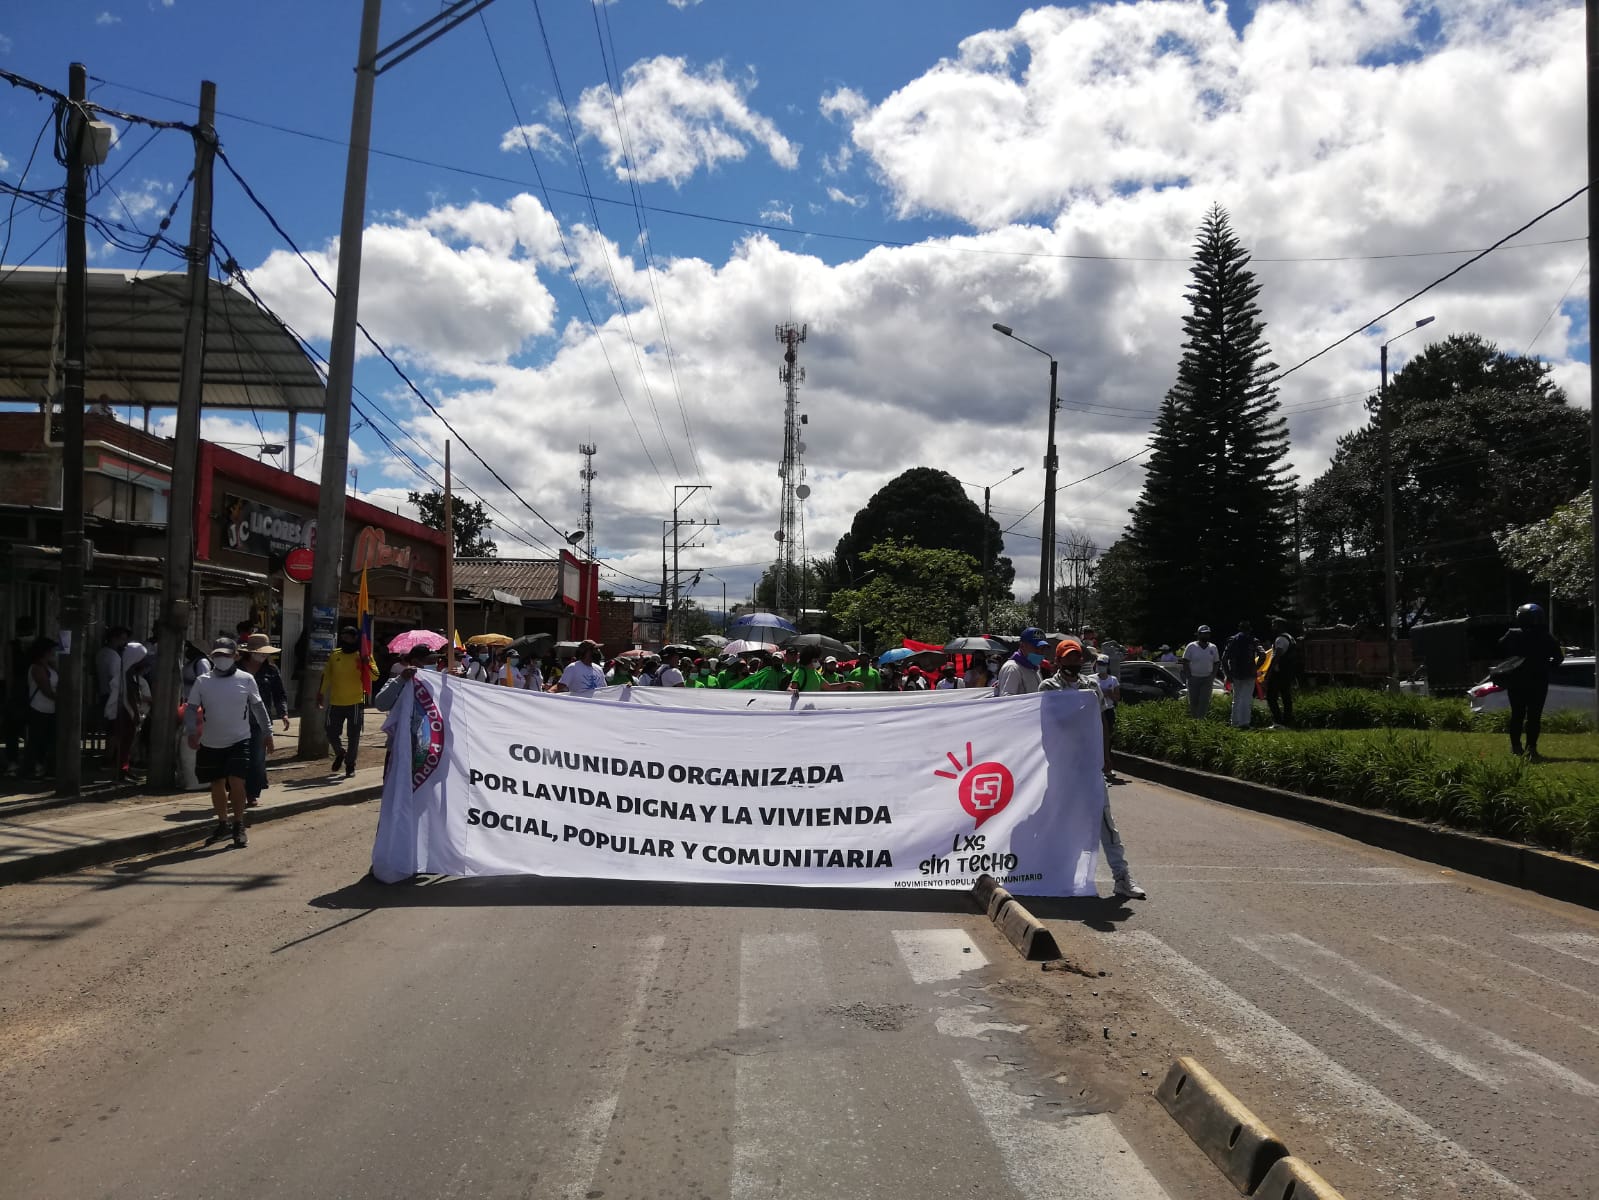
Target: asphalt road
264, 1023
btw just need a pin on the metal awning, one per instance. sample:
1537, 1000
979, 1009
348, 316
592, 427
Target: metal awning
135, 339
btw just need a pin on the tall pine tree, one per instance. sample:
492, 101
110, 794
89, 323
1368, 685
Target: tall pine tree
1211, 531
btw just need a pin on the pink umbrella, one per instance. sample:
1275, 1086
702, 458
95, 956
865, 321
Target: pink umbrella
418, 637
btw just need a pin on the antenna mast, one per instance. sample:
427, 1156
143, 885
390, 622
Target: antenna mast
587, 450
791, 471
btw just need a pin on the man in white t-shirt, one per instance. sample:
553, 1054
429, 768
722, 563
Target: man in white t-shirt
582, 677
230, 701
669, 675
1200, 658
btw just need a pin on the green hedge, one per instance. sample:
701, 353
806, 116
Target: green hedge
1363, 708
1402, 773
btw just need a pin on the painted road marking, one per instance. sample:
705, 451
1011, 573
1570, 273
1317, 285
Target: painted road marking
1074, 1157
1481, 975
590, 1125
1321, 968
1584, 946
934, 955
1349, 1112
1183, 873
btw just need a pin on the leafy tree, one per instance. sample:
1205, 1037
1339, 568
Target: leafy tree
691, 622
1481, 441
929, 508
1119, 586
912, 592
1008, 617
1557, 551
1210, 532
471, 521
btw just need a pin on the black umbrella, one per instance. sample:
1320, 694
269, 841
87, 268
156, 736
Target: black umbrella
821, 640
531, 645
679, 648
974, 645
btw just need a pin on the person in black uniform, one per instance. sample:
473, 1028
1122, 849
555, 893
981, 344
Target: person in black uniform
1528, 682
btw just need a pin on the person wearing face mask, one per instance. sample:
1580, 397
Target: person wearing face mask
343, 694
417, 658
1068, 663
256, 658
231, 703
582, 677
1019, 675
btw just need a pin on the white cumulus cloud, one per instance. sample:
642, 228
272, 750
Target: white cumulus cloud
678, 121
517, 140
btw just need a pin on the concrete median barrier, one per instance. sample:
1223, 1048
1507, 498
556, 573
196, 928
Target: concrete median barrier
1236, 1140
1293, 1179
1023, 930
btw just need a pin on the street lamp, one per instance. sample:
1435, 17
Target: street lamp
1390, 578
987, 488
1046, 558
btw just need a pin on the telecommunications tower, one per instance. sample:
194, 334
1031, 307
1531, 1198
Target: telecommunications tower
587, 450
791, 471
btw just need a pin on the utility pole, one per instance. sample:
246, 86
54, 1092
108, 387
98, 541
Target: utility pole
1390, 579
1051, 463
1593, 390
449, 562
327, 568
74, 550
688, 489
177, 590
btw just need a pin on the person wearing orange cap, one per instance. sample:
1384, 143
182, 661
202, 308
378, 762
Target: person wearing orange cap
1068, 662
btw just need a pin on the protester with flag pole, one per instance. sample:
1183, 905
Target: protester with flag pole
346, 685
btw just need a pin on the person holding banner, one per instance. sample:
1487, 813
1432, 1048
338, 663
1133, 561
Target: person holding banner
807, 678
1067, 676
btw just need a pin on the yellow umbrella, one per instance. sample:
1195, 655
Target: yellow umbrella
489, 639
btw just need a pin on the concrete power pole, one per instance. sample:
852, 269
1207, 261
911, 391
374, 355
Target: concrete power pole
327, 568
177, 592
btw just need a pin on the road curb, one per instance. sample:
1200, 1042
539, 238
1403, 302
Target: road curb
1023, 930
93, 854
1558, 876
1293, 1179
1234, 1138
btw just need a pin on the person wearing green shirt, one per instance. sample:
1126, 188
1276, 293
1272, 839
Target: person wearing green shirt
807, 678
866, 675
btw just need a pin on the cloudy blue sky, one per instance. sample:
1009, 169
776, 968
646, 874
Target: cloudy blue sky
896, 175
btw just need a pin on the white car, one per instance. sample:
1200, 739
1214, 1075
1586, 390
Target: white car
1570, 686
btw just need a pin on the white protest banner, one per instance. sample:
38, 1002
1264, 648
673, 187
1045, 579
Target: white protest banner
685, 697
496, 781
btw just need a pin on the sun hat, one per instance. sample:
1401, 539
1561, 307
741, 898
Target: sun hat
260, 643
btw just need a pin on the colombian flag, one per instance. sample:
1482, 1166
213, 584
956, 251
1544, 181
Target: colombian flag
363, 608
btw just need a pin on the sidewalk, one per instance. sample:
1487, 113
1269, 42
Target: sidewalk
66, 835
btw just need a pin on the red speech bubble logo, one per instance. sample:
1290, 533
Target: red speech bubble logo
985, 788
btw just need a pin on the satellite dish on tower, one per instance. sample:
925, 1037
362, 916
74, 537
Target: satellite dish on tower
778, 535
800, 446
803, 491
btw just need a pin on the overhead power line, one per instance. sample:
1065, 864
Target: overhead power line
801, 231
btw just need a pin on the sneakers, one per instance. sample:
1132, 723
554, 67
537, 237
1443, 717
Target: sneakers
1126, 889
338, 761
349, 772
217, 834
240, 837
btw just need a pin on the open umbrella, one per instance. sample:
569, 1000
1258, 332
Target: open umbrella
412, 638
762, 620
830, 644
531, 645
636, 654
489, 639
679, 648
714, 640
975, 645
898, 654
748, 647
